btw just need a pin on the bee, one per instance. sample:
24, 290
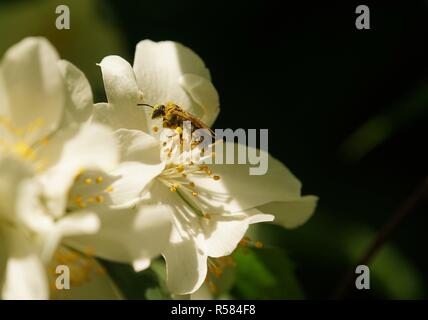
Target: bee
173, 117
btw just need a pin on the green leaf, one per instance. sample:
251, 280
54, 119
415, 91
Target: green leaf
146, 285
265, 274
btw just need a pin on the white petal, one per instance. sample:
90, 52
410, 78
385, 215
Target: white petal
159, 68
107, 115
138, 146
140, 265
76, 223
132, 178
203, 92
237, 190
223, 232
292, 213
13, 174
142, 155
123, 95
71, 151
22, 274
203, 293
33, 87
186, 264
186, 261
79, 99
128, 235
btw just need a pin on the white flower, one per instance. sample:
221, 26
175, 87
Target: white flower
22, 272
44, 106
212, 206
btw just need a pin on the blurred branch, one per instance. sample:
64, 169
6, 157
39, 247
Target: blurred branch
381, 127
417, 197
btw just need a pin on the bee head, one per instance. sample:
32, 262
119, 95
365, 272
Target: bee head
158, 111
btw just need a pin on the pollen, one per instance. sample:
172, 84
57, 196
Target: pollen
80, 202
24, 150
99, 199
216, 178
180, 168
155, 129
244, 242
109, 189
194, 194
178, 130
173, 188
88, 181
99, 180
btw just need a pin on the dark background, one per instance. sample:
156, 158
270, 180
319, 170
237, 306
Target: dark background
303, 70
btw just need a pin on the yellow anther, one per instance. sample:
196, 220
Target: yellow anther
243, 243
24, 150
155, 129
173, 188
99, 179
191, 184
194, 194
80, 202
258, 245
88, 181
178, 130
109, 189
180, 168
99, 199
216, 178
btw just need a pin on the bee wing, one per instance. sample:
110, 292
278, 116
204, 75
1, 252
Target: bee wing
195, 121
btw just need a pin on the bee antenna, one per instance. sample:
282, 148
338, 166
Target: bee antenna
146, 105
